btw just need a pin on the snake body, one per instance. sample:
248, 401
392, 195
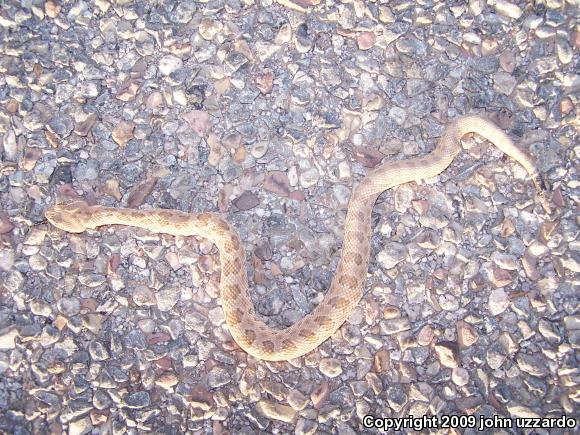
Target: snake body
346, 289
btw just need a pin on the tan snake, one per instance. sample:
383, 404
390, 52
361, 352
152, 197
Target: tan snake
346, 289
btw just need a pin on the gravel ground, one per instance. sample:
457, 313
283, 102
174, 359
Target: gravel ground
270, 112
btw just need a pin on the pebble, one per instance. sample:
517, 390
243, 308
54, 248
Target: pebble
166, 380
40, 308
123, 133
564, 51
467, 335
366, 40
135, 340
167, 298
61, 125
276, 411
521, 411
320, 394
208, 28
392, 255
305, 427
368, 156
259, 149
5, 224
572, 322
495, 356
143, 296
398, 114
344, 171
80, 426
137, 400
532, 364
101, 400
397, 398
265, 82
297, 400
199, 121
246, 201
9, 145
498, 301
460, 376
507, 61
504, 82
37, 262
52, 8
505, 261
309, 178
278, 183
330, 367
394, 326
218, 377
448, 353
98, 351
69, 306
382, 361
425, 335
341, 194
509, 9
128, 92
8, 338
169, 64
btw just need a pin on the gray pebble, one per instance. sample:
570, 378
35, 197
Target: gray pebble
218, 377
140, 399
69, 306
135, 340
98, 351
61, 125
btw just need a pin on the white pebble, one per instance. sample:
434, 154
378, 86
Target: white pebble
169, 64
460, 376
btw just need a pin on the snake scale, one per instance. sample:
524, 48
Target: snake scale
346, 289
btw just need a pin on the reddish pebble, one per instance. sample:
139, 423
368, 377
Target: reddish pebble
366, 40
5, 224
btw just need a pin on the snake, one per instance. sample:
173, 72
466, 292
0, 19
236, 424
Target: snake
249, 331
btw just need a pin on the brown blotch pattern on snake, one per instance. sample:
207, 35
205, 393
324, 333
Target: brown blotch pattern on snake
268, 346
234, 290
347, 281
250, 336
324, 321
236, 316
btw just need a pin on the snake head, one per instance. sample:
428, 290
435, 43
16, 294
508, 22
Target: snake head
69, 217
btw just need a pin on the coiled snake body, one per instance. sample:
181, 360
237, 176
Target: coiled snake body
346, 289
